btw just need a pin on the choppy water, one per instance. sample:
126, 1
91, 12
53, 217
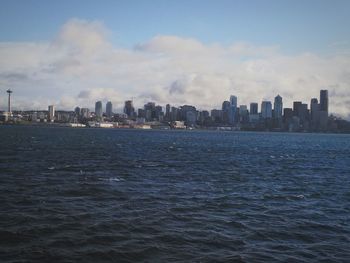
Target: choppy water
93, 195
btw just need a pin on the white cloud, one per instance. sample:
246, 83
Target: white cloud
80, 66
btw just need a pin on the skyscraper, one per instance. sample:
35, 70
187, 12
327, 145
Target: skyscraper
315, 116
77, 111
98, 109
278, 107
253, 108
109, 109
226, 106
51, 113
167, 112
129, 108
323, 112
85, 113
296, 108
266, 110
233, 109
324, 100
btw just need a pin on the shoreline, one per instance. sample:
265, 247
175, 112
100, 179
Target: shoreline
209, 129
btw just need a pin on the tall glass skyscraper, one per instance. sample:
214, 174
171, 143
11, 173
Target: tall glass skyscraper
109, 109
253, 108
98, 109
233, 109
324, 100
278, 107
266, 109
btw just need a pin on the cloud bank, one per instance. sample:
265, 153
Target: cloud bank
80, 66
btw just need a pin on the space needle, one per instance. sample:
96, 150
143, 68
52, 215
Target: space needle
9, 102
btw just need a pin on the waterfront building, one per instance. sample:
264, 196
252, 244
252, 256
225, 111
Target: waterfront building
129, 109
191, 118
253, 108
109, 109
253, 113
296, 108
98, 110
203, 116
174, 116
77, 111
159, 114
167, 112
243, 114
323, 112
51, 113
266, 110
303, 112
324, 100
287, 117
315, 113
226, 106
278, 108
85, 113
216, 115
186, 108
233, 110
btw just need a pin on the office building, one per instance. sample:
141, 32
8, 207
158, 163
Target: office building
253, 108
266, 110
296, 108
85, 113
129, 109
98, 110
226, 106
278, 107
109, 109
314, 113
216, 115
324, 100
233, 110
323, 111
51, 113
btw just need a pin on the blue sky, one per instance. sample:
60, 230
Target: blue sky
296, 26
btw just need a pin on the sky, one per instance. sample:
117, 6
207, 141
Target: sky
73, 53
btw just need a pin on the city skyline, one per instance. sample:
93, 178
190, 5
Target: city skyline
83, 55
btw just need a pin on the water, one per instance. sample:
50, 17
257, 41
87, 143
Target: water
92, 195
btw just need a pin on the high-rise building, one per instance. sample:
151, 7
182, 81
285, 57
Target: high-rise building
315, 115
303, 113
77, 111
324, 100
266, 110
51, 113
233, 109
98, 110
174, 115
85, 113
243, 114
226, 106
323, 112
109, 109
167, 112
253, 108
129, 108
278, 107
287, 115
296, 108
